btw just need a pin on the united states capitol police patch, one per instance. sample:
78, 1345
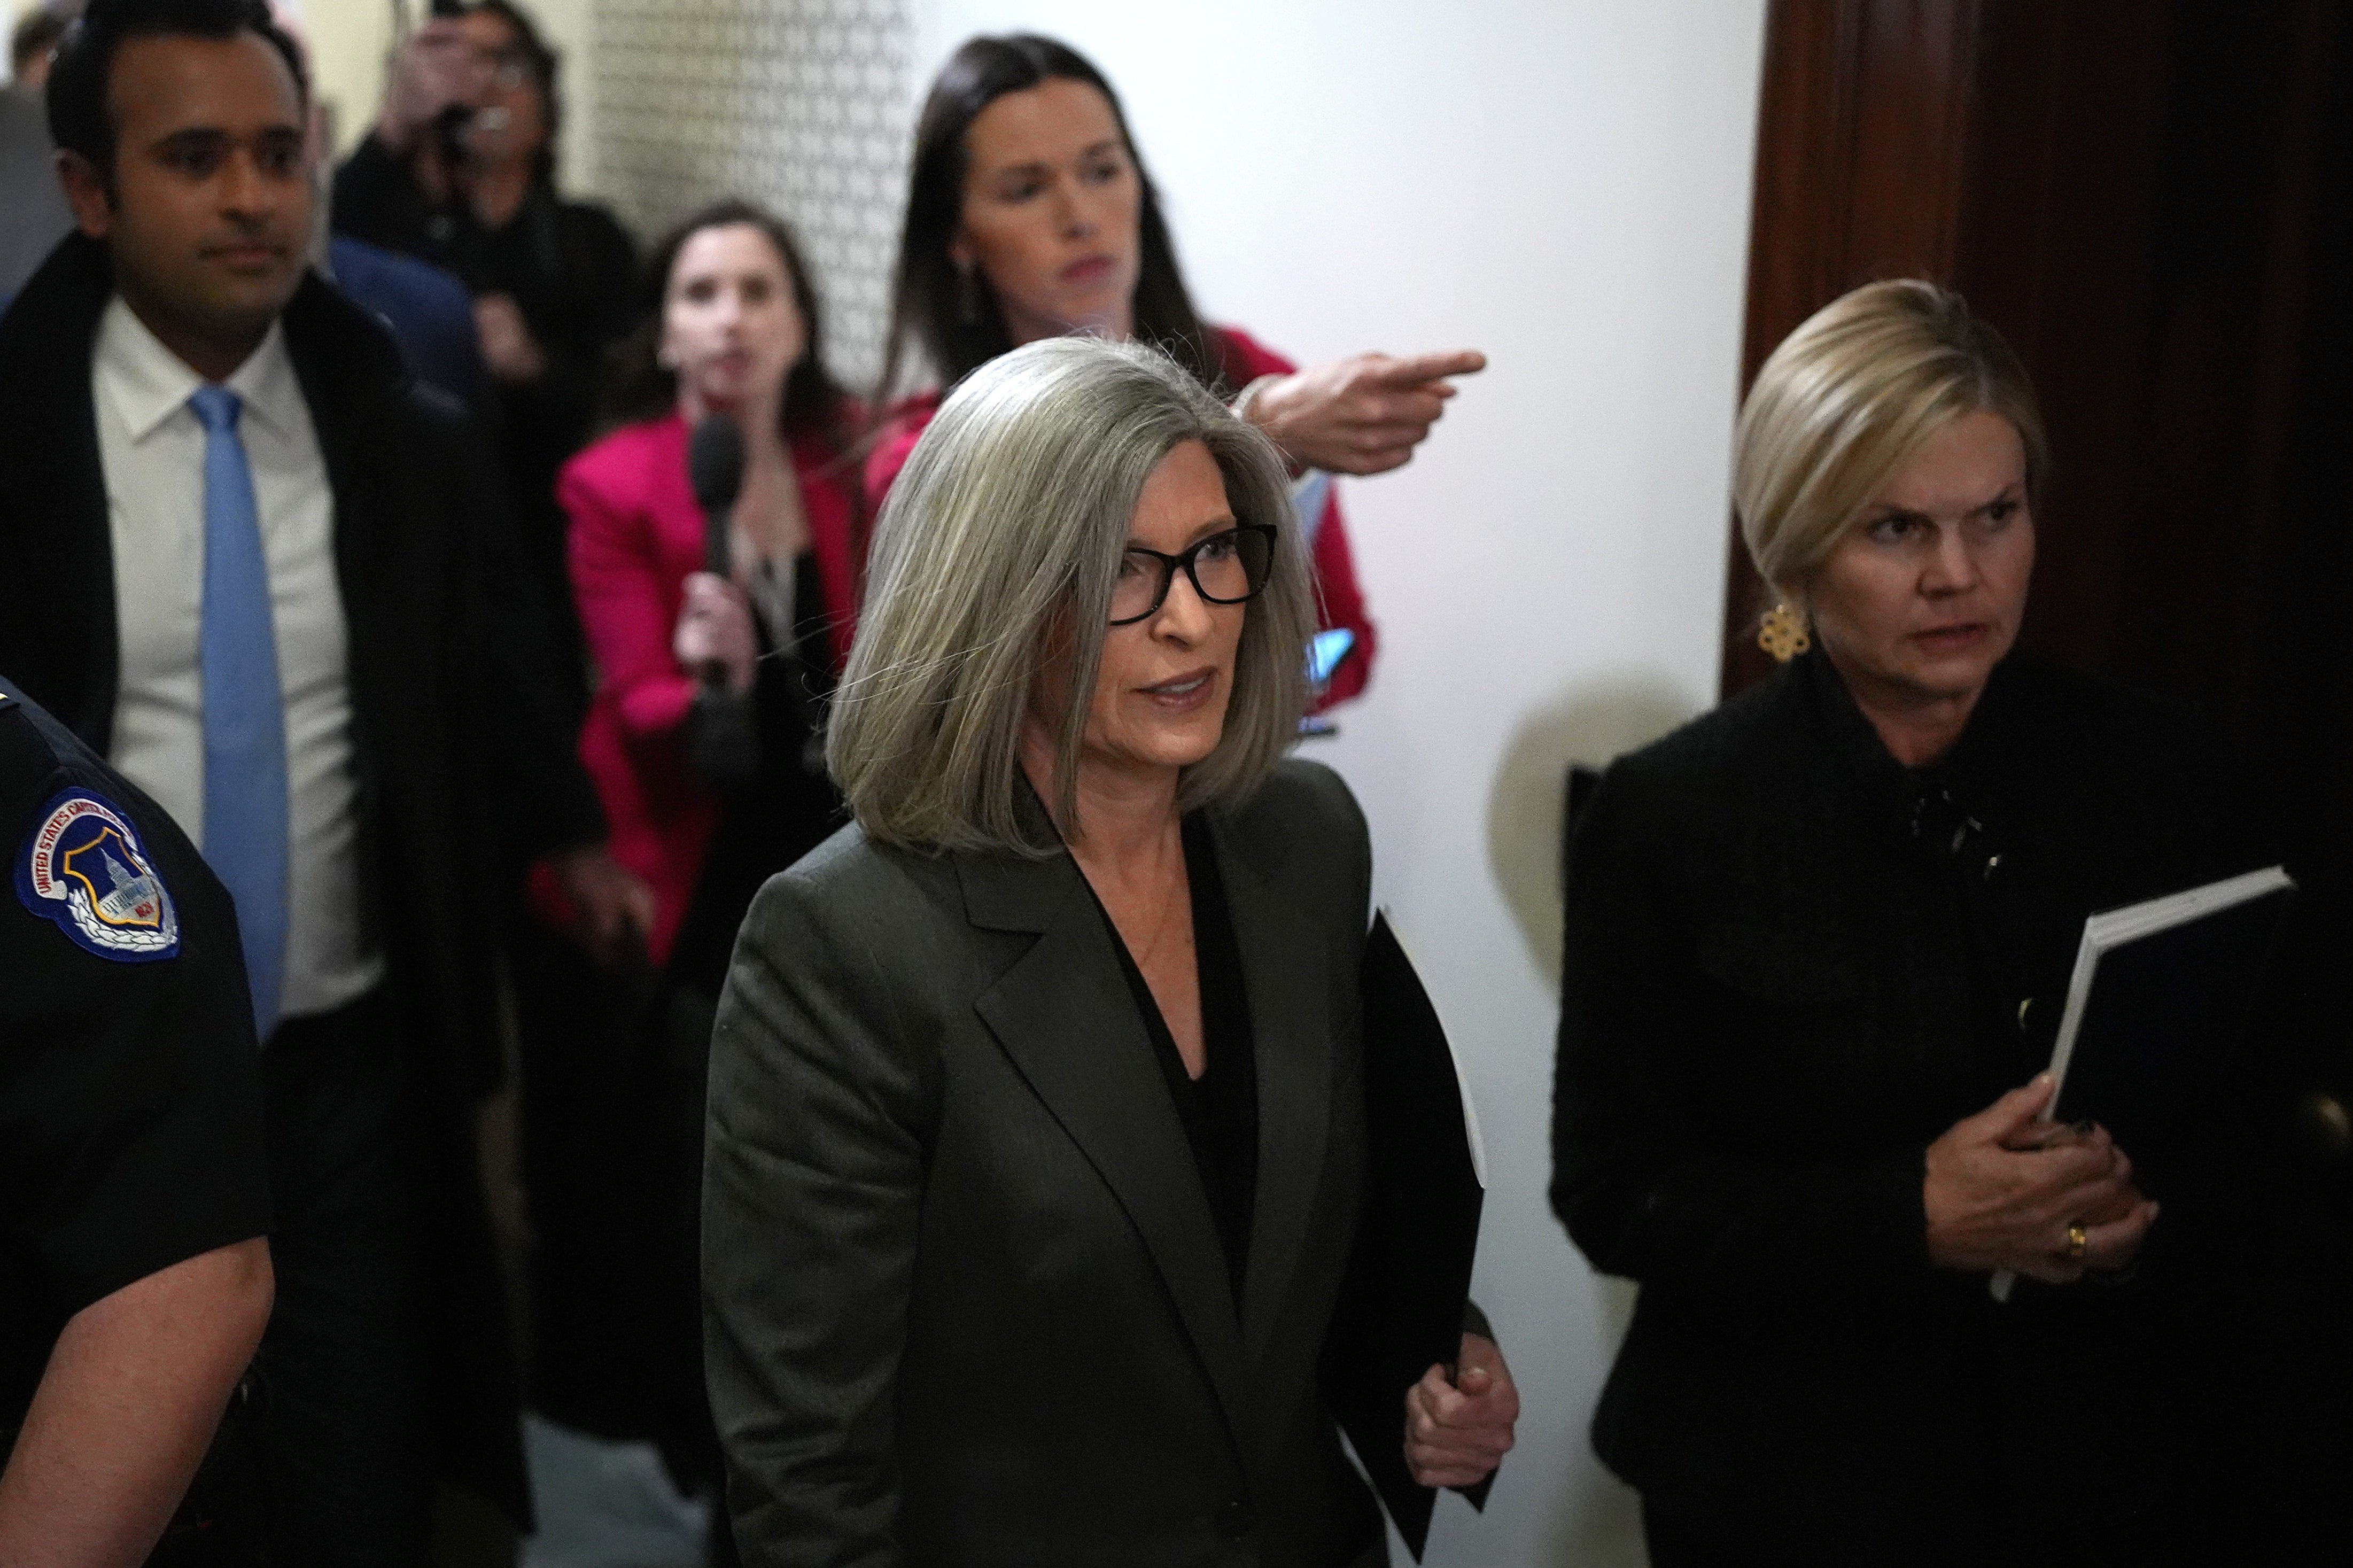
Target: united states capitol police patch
84, 867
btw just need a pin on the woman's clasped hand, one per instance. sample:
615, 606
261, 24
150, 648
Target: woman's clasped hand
2051, 1203
714, 635
1458, 1429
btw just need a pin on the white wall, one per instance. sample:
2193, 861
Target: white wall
1563, 184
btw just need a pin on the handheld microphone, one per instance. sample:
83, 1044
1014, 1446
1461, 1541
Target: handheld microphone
722, 744
714, 467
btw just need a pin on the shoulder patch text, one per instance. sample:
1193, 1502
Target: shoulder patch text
84, 867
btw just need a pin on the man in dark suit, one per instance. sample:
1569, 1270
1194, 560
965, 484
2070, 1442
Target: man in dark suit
244, 563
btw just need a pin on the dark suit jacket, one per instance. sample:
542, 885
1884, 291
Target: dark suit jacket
413, 512
1783, 980
965, 1301
428, 311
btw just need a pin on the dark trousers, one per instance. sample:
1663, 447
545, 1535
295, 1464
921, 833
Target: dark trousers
614, 1067
342, 1363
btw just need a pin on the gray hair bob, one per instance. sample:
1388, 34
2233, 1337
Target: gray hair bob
994, 560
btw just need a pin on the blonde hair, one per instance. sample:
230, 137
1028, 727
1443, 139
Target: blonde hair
993, 563
1846, 400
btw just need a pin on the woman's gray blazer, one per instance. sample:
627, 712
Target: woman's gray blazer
964, 1302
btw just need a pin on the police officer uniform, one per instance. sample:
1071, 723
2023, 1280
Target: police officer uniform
130, 1134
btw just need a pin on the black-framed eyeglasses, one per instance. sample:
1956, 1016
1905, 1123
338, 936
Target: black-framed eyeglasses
1225, 568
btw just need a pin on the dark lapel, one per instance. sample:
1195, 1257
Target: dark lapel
353, 380
351, 375
60, 644
1064, 1014
1286, 972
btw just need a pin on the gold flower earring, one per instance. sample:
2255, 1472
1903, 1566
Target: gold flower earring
1784, 633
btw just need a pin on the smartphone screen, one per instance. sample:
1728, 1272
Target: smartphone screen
1325, 652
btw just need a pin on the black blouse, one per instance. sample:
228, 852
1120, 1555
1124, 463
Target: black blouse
1220, 1109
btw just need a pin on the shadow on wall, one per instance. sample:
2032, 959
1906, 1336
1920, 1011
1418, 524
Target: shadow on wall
1590, 724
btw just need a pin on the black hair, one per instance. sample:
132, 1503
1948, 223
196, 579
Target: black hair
958, 322
81, 120
37, 32
814, 406
546, 67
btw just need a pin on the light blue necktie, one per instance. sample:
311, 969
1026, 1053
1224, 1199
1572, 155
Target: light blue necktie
245, 716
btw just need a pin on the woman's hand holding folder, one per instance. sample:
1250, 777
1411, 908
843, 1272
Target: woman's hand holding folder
1458, 1429
2005, 1190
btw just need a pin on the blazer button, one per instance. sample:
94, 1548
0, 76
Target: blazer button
1237, 1519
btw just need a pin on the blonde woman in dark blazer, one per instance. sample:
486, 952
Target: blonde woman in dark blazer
1035, 1114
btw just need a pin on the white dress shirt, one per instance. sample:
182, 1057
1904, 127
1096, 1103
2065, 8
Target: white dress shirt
152, 448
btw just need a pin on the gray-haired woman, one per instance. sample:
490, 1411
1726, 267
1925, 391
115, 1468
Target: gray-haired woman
1036, 1120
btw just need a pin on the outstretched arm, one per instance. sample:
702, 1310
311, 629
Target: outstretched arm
1362, 414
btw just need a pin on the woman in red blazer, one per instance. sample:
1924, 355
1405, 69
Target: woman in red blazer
612, 1109
737, 335
1029, 216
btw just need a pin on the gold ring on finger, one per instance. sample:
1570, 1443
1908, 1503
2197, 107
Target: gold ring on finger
2077, 1238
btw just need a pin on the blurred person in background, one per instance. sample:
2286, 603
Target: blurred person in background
32, 211
33, 39
526, 621
1817, 947
459, 170
247, 566
1029, 214
731, 332
426, 309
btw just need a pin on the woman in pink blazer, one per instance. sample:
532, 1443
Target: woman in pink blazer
612, 1098
736, 334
